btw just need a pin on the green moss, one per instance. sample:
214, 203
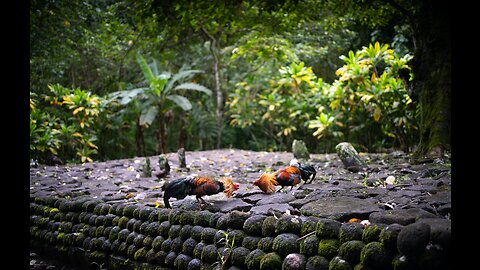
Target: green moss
153, 216
188, 246
185, 231
196, 232
181, 261
317, 263
163, 214
337, 263
388, 236
202, 218
164, 228
237, 237
350, 251
285, 244
208, 235
372, 233
151, 256
209, 254
174, 231
250, 242
140, 255
197, 251
152, 228
402, 262
131, 237
177, 245
328, 248
147, 241
123, 234
252, 260
122, 222
268, 226
143, 227
375, 255
175, 215
327, 228
166, 245
136, 226
266, 244
214, 220
239, 255
309, 225
271, 261
309, 245
170, 258
128, 210
131, 249
157, 242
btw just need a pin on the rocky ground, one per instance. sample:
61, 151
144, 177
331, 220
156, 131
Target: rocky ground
394, 189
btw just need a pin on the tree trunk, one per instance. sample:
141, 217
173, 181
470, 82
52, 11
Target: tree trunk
139, 139
432, 82
182, 137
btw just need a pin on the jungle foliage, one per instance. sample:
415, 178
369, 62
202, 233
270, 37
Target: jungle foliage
114, 79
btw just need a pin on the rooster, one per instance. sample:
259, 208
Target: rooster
288, 176
197, 185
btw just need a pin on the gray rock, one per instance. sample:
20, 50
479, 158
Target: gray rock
267, 208
350, 158
294, 261
339, 208
440, 231
400, 216
276, 198
299, 150
413, 239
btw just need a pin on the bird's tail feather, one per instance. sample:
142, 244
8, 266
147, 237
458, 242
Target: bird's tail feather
267, 182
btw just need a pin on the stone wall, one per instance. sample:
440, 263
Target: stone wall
93, 234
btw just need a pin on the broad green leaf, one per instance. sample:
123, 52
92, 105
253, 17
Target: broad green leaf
194, 86
147, 72
127, 95
181, 101
148, 115
180, 76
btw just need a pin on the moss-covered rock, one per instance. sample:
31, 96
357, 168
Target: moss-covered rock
350, 231
131, 236
177, 245
328, 248
157, 242
252, 260
174, 231
166, 245
140, 255
294, 261
309, 224
122, 222
388, 236
317, 263
220, 238
160, 257
266, 244
128, 210
151, 256
136, 226
197, 251
131, 249
145, 212
153, 216
143, 227
164, 228
185, 231
253, 225
271, 261
434, 257
285, 244
372, 233
236, 236
299, 150
194, 264
413, 239
163, 214
188, 246
232, 220
122, 249
239, 255
175, 215
402, 262
208, 235
130, 223
374, 254
268, 226
99, 231
214, 219
250, 242
182, 261
350, 251
202, 218
288, 224
138, 241
170, 258
327, 228
338, 263
152, 228
196, 232
147, 241
309, 245
123, 234
209, 254
91, 219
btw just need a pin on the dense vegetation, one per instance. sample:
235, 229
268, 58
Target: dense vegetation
114, 79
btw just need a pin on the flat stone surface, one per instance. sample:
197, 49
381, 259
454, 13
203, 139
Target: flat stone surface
339, 208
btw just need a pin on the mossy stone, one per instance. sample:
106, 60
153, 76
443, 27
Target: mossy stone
250, 242
350, 231
98, 257
202, 218
182, 261
128, 210
136, 226
328, 248
122, 222
145, 212
123, 234
208, 235
413, 239
147, 241
130, 223
157, 242
219, 238
114, 246
105, 209
170, 258
185, 231
131, 238
288, 224
402, 262
106, 246
388, 236
174, 231
177, 244
152, 228
268, 226
140, 254
239, 255
122, 248
327, 228
338, 263
99, 220
153, 216
194, 264
91, 219
309, 225
99, 231
160, 257
237, 236
285, 244
209, 254
233, 220
166, 245
317, 263
143, 227
214, 219
372, 233
253, 225
175, 215
136, 211
374, 254
196, 232
108, 219
309, 245
97, 209
271, 261
188, 246
151, 256
299, 150
164, 228
434, 257
131, 249
197, 251
350, 251
163, 214
294, 261
252, 260
266, 244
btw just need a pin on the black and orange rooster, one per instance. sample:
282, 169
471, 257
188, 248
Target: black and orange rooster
288, 176
196, 185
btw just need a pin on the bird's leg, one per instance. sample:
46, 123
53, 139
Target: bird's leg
291, 189
281, 188
202, 201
